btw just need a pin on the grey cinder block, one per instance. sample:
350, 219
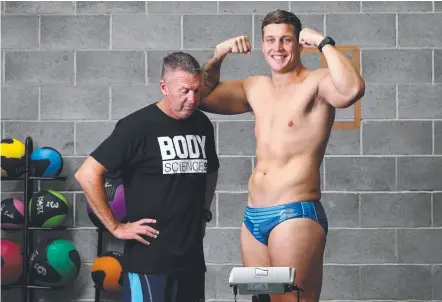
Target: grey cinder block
79, 103
236, 138
374, 30
39, 67
419, 173
420, 246
360, 246
420, 101
206, 31
359, 173
324, 6
342, 209
146, 32
19, 103
420, 30
397, 137
75, 32
90, 135
401, 282
20, 32
40, 7
176, 7
397, 6
234, 173
340, 282
111, 7
110, 67
397, 66
58, 135
396, 210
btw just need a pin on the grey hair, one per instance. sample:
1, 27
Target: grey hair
180, 61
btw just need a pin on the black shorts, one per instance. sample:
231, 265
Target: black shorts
187, 287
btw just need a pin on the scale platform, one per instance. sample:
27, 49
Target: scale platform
257, 281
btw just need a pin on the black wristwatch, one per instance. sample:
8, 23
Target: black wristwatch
325, 41
207, 215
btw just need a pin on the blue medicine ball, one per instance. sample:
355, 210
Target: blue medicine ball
46, 162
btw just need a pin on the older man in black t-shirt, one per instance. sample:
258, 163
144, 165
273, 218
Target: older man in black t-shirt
167, 158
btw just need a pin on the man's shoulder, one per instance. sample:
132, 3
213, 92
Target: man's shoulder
201, 116
139, 115
318, 73
255, 81
136, 119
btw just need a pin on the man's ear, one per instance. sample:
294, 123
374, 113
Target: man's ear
163, 87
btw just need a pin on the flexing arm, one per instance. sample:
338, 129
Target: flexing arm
211, 74
341, 85
228, 97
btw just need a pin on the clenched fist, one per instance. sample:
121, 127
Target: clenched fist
310, 38
240, 44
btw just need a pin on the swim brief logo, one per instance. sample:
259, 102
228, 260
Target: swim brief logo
183, 154
286, 214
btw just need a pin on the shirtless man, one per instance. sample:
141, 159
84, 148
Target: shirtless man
294, 109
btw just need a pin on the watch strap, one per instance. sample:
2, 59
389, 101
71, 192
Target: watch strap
325, 41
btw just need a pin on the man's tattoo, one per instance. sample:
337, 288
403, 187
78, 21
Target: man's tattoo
211, 72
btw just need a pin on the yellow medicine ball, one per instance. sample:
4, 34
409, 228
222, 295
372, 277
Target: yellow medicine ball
13, 160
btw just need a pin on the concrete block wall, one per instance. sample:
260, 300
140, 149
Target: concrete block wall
70, 70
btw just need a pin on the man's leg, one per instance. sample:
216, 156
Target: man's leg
190, 287
299, 243
253, 252
148, 288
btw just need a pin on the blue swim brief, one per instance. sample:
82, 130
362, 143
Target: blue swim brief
261, 221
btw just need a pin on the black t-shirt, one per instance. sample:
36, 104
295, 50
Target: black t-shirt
164, 164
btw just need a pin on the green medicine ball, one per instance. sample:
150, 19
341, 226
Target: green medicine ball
55, 262
48, 209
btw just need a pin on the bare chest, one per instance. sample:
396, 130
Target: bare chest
281, 126
288, 121
285, 111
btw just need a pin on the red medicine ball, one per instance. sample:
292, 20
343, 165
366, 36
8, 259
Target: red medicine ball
12, 262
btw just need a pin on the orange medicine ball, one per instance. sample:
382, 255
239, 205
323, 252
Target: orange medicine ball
107, 272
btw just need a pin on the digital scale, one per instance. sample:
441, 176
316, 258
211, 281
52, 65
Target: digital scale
260, 282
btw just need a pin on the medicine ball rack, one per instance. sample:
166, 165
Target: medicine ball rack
99, 251
26, 282
100, 232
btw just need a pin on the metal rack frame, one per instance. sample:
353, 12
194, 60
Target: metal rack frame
25, 282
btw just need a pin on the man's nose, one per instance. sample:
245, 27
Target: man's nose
192, 96
280, 45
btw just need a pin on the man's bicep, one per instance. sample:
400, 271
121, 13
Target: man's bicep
229, 97
91, 167
327, 92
